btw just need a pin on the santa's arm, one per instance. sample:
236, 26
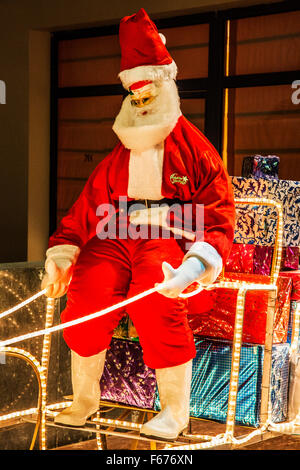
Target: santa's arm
214, 237
74, 230
214, 233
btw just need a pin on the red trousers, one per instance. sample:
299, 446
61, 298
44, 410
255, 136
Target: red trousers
109, 271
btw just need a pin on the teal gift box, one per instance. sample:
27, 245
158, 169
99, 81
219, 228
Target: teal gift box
211, 376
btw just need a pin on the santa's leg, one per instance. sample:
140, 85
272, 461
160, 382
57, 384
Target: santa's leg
174, 385
165, 337
86, 375
100, 279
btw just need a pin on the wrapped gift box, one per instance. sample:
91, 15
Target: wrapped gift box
262, 259
210, 382
257, 225
257, 259
241, 258
212, 313
122, 330
290, 258
294, 305
258, 166
295, 277
126, 379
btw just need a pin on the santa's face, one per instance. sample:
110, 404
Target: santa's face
142, 97
153, 105
152, 111
144, 102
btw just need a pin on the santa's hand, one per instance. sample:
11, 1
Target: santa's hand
59, 267
176, 280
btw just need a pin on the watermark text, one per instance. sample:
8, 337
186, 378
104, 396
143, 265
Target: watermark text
296, 94
2, 92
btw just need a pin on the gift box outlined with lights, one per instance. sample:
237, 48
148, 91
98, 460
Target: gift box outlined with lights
257, 225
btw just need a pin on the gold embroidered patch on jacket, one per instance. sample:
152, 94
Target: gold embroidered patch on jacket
175, 178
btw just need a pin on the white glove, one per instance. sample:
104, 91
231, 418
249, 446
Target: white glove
59, 266
179, 279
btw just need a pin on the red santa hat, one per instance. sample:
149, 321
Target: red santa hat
144, 56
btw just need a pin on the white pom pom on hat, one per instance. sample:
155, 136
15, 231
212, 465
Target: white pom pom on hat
163, 38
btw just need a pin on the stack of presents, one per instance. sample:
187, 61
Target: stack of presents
127, 380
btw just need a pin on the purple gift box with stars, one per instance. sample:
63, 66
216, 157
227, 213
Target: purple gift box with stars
126, 379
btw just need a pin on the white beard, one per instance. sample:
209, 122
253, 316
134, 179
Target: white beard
140, 132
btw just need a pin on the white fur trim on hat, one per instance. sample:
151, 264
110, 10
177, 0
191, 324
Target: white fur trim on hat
148, 72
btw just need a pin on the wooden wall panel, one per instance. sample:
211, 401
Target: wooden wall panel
188, 46
85, 137
265, 44
89, 61
264, 121
194, 110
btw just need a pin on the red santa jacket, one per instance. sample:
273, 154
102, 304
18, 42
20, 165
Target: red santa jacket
192, 171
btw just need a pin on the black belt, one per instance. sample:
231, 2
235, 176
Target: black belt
150, 202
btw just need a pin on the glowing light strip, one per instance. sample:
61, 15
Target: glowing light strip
213, 440
203, 445
18, 414
242, 284
26, 354
58, 406
45, 365
99, 420
40, 374
127, 424
224, 439
279, 232
291, 427
91, 316
116, 422
241, 441
235, 363
204, 437
296, 328
48, 331
98, 436
22, 304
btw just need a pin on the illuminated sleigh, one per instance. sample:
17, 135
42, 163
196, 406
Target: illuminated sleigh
42, 415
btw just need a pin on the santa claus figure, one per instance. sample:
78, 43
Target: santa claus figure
161, 159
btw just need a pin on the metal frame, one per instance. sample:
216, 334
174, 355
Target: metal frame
43, 415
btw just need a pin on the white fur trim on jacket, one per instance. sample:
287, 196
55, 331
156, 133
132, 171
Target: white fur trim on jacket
64, 256
148, 72
210, 258
145, 173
